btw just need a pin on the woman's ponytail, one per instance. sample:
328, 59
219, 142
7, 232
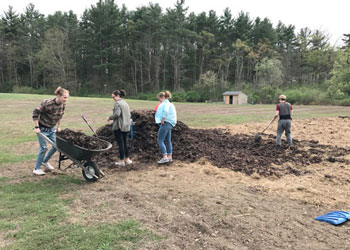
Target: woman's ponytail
165, 94
122, 93
168, 94
59, 91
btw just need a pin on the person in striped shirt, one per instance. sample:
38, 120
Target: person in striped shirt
46, 116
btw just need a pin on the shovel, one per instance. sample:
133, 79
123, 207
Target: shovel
257, 137
93, 131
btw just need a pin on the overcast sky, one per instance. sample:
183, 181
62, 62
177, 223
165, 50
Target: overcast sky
331, 16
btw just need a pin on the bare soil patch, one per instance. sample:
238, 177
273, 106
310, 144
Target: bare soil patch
4, 242
198, 205
239, 152
333, 131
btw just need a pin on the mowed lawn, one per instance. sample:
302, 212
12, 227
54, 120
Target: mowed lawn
35, 214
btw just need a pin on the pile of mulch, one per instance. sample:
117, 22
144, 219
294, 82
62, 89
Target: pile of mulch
238, 152
81, 139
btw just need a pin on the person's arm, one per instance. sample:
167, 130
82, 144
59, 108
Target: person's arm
59, 125
116, 112
36, 114
291, 110
36, 126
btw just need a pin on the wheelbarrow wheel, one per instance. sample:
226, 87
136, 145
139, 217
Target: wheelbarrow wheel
91, 171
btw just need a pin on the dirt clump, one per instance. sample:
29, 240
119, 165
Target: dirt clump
81, 139
239, 152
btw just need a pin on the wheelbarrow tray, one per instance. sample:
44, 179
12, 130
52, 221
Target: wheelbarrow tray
76, 152
80, 156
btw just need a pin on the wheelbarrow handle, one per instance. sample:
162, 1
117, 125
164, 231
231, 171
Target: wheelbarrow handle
47, 139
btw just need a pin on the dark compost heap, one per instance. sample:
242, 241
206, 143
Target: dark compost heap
238, 152
81, 139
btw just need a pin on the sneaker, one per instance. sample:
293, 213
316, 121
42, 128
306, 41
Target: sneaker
163, 160
48, 166
38, 172
120, 164
128, 162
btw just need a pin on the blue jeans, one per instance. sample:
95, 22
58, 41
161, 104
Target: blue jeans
164, 134
42, 156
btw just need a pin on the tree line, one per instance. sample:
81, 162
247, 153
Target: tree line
149, 49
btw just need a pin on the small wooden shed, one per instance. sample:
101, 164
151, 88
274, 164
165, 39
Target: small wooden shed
235, 97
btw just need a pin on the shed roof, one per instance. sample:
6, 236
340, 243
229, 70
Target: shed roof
232, 93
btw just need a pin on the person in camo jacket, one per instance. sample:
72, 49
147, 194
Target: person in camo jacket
46, 116
285, 111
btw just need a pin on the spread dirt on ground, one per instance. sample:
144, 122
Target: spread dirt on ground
238, 152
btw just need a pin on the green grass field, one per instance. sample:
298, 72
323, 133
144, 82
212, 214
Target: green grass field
35, 214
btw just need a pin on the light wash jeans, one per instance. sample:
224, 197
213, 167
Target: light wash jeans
164, 134
42, 156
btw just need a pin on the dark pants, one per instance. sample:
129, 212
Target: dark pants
284, 126
121, 138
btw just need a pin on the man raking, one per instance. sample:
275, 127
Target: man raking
285, 111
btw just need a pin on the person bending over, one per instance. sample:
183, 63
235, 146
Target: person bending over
46, 116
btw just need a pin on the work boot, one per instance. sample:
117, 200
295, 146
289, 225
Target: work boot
38, 172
